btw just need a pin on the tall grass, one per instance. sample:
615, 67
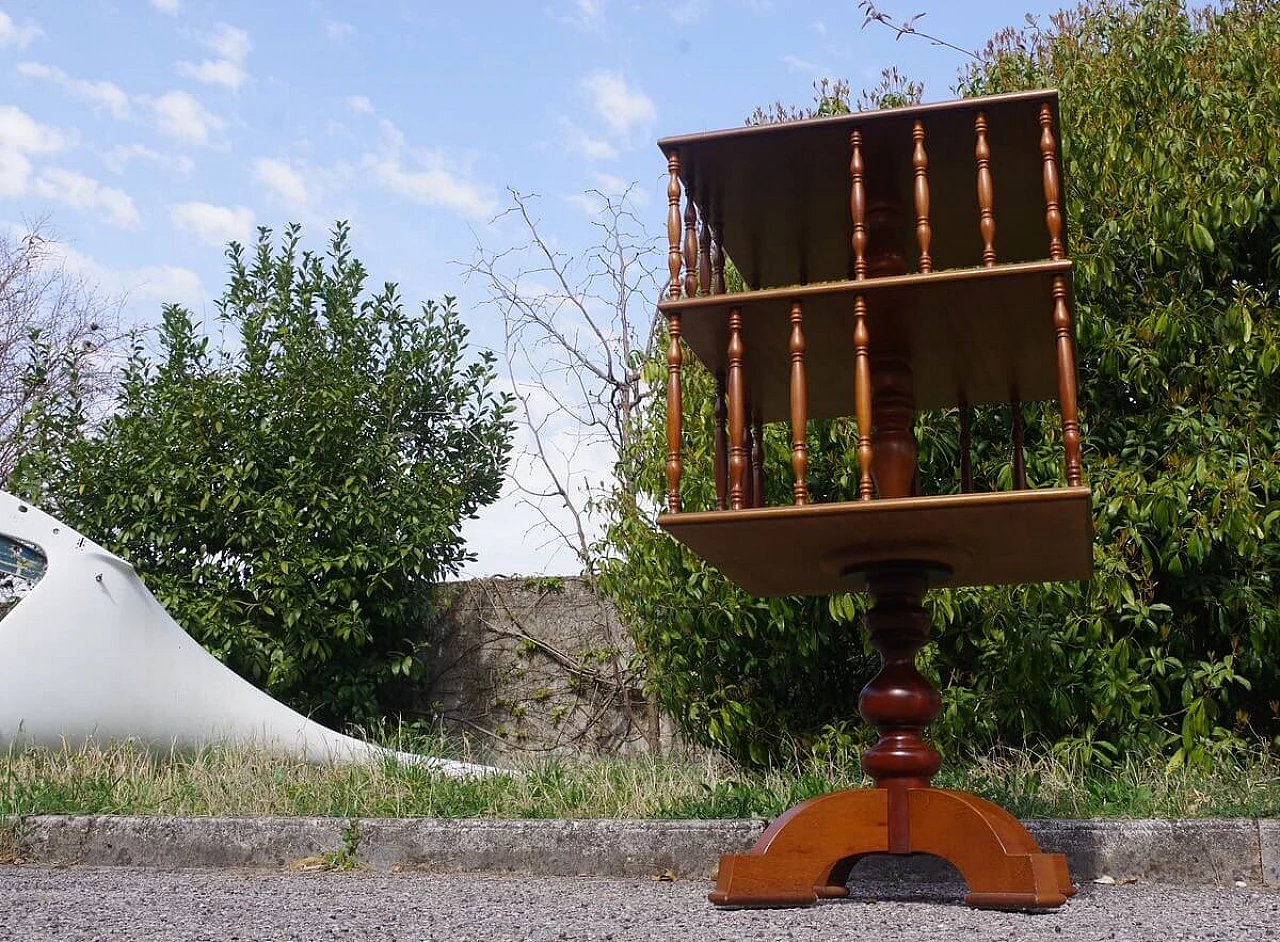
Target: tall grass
123, 778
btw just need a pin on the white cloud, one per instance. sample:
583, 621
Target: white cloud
21, 136
621, 107
214, 72
796, 64
11, 34
81, 192
23, 133
214, 225
231, 44
162, 283
612, 185
284, 182
358, 104
100, 94
433, 185
169, 7
338, 32
579, 142
180, 115
120, 156
15, 173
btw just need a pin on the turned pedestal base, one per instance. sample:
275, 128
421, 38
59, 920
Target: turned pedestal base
807, 854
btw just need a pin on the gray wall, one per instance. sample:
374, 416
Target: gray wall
538, 665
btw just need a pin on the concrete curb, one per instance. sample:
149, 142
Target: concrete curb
1207, 852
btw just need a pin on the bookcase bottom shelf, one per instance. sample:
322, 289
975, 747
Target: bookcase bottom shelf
995, 538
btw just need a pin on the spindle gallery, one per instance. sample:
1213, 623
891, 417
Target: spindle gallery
894, 261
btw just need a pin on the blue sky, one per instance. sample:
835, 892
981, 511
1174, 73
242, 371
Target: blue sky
149, 132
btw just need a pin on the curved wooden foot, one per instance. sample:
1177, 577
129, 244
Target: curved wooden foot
807, 853
1002, 864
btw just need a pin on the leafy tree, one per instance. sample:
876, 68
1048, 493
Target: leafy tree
292, 498
1172, 164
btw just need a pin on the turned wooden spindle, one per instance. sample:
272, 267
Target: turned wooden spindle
986, 191
717, 258
704, 258
920, 168
799, 408
674, 354
690, 245
674, 413
721, 451
674, 257
1019, 459
1052, 188
757, 459
861, 337
862, 396
893, 442
1067, 382
966, 455
858, 205
737, 394
899, 702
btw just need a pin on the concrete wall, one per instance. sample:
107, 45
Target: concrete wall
538, 665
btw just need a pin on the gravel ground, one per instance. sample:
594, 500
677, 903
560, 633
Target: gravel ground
120, 903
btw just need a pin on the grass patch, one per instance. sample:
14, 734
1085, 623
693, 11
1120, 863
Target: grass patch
126, 779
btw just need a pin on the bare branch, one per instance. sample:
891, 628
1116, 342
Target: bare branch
49, 317
908, 28
573, 344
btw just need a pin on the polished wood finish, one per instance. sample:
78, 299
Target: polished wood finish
807, 853
893, 445
862, 395
673, 225
832, 323
861, 335
1052, 186
1019, 458
920, 166
675, 413
1067, 382
898, 701
987, 538
983, 331
720, 453
799, 409
858, 206
737, 393
986, 191
717, 260
690, 247
704, 258
796, 230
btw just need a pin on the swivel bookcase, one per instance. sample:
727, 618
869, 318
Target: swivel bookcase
894, 260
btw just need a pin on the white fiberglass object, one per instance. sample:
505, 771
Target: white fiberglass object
89, 654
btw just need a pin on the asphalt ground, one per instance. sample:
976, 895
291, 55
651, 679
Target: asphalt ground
40, 903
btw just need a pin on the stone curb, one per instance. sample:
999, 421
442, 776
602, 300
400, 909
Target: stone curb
1207, 852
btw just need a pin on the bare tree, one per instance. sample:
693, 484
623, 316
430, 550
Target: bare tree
577, 330
56, 335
